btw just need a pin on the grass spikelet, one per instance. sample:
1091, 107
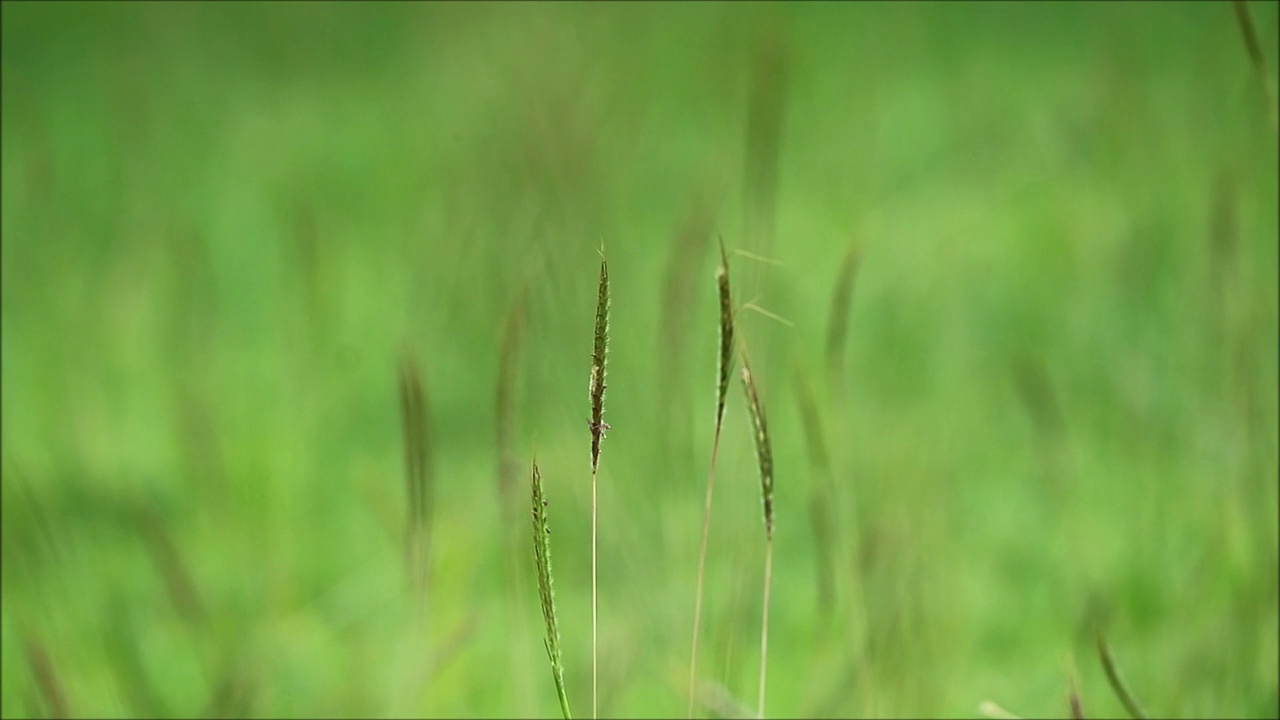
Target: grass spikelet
546, 592
838, 325
723, 371
764, 449
1253, 46
764, 456
417, 474
725, 358
1117, 683
599, 360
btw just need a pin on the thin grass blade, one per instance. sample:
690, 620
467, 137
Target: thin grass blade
418, 480
1117, 682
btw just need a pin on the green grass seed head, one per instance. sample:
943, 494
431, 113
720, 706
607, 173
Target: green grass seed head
764, 449
725, 364
546, 591
599, 359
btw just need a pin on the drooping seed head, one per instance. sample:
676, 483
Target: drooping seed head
725, 365
764, 449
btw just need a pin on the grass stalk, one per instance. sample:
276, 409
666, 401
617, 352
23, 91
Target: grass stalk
822, 500
418, 479
1117, 682
599, 358
1073, 702
546, 591
1253, 46
764, 456
724, 370
52, 690
838, 325
764, 625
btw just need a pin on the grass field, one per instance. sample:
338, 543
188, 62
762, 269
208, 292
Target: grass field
1050, 406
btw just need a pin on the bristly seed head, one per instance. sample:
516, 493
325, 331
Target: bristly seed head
599, 358
764, 450
546, 591
725, 365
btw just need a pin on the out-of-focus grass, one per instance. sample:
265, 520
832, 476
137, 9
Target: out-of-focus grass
221, 222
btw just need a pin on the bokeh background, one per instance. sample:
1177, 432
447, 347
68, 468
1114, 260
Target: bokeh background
1048, 406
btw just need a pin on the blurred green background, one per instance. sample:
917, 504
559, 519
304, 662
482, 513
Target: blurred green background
1055, 409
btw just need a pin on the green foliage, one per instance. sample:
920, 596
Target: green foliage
221, 223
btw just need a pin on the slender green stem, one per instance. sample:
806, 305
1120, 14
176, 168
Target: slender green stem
702, 567
764, 624
1253, 46
1117, 683
595, 674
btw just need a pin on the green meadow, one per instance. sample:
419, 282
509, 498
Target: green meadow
1007, 275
